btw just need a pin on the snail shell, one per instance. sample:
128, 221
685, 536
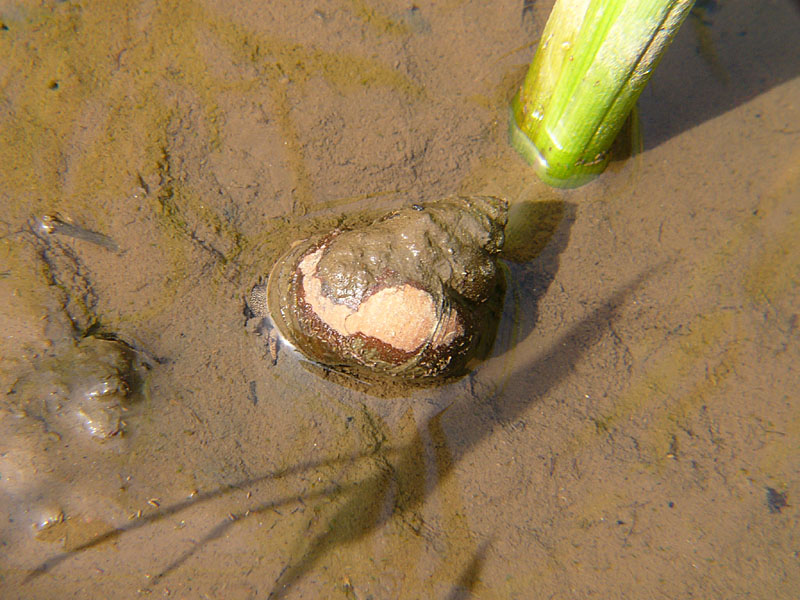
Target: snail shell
405, 297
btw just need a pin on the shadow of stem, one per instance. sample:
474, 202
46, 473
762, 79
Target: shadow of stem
363, 505
178, 507
468, 579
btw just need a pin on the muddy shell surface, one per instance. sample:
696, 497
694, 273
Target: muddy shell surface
412, 296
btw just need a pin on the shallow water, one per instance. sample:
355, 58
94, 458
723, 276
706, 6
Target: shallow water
634, 432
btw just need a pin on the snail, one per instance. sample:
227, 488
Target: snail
410, 297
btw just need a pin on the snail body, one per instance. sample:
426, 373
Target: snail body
405, 297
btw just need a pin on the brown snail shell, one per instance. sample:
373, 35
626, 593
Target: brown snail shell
405, 297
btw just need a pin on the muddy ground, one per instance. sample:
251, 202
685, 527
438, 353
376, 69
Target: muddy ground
635, 433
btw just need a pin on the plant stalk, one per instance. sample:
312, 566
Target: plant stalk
594, 59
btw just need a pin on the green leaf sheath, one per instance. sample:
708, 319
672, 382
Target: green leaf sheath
593, 61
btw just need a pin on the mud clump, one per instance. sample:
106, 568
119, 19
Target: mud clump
62, 422
80, 391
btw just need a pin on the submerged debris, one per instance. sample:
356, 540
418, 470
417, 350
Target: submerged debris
776, 501
54, 224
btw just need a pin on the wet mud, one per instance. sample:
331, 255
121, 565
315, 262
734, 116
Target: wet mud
632, 431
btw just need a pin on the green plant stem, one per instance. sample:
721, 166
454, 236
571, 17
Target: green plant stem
593, 61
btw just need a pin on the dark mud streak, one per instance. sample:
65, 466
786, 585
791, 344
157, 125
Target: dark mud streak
167, 196
64, 271
359, 515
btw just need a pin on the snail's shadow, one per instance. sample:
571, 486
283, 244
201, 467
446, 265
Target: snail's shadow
398, 473
533, 267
